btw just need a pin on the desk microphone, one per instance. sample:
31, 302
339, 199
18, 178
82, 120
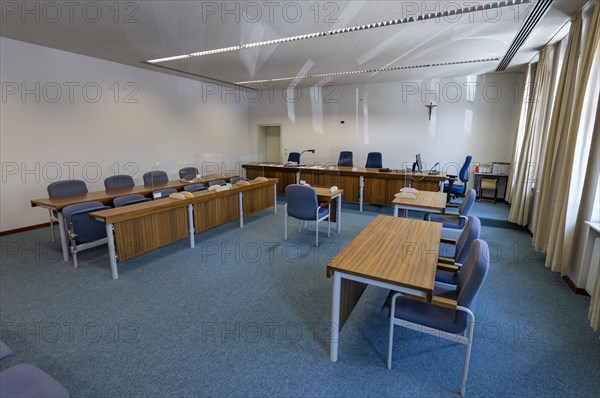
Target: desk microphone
432, 171
306, 150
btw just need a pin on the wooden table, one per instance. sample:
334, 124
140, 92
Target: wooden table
140, 228
326, 195
106, 197
434, 202
393, 253
360, 184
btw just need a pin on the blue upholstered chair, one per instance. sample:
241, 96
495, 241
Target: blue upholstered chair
374, 160
455, 220
194, 188
83, 231
187, 172
450, 315
217, 182
301, 203
294, 157
5, 351
345, 159
63, 188
164, 193
452, 187
448, 267
118, 181
27, 381
129, 200
155, 177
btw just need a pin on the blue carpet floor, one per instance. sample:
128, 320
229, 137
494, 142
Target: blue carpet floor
247, 314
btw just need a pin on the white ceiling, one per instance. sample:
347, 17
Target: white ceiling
145, 30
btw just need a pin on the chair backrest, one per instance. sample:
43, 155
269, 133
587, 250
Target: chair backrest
164, 193
467, 203
294, 157
118, 181
188, 172
464, 170
194, 187
469, 233
66, 187
374, 160
345, 159
301, 201
85, 227
129, 200
470, 278
233, 180
155, 177
217, 182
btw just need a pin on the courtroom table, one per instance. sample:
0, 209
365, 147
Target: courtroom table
393, 253
140, 228
433, 202
106, 197
362, 185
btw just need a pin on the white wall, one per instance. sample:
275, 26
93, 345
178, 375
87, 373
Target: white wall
171, 123
392, 118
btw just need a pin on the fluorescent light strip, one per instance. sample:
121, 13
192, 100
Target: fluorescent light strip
356, 72
447, 13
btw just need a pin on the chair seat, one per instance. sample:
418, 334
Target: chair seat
457, 188
27, 381
323, 211
449, 278
424, 313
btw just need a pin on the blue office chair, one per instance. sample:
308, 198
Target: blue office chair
188, 172
451, 187
194, 188
63, 188
129, 200
294, 157
217, 182
118, 181
345, 159
453, 220
5, 351
374, 160
448, 267
164, 193
83, 231
155, 177
301, 203
25, 380
450, 315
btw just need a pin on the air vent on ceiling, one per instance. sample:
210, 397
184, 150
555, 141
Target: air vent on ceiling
534, 17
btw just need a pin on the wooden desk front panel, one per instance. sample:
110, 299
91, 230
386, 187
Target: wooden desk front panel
258, 199
381, 190
286, 176
215, 212
350, 184
140, 235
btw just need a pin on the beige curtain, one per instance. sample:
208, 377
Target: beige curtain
526, 164
585, 212
551, 184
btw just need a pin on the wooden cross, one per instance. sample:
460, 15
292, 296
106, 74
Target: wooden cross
430, 106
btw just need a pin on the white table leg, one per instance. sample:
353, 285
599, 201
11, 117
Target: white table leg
339, 213
191, 224
112, 254
361, 191
335, 316
241, 210
275, 198
64, 241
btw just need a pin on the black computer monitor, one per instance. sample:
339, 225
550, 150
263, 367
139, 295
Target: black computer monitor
418, 165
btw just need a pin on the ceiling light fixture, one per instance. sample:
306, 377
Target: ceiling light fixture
355, 72
334, 32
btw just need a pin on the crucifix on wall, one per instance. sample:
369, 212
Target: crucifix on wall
430, 106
